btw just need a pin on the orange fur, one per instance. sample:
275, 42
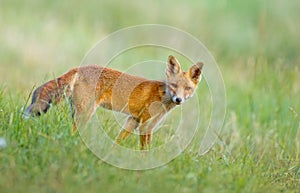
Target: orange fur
145, 101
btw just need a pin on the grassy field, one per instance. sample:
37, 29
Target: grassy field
255, 43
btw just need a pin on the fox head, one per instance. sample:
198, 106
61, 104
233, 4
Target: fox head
181, 85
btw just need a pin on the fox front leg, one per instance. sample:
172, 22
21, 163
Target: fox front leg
145, 140
147, 127
146, 130
127, 129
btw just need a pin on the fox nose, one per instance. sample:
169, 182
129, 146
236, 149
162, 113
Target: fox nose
178, 100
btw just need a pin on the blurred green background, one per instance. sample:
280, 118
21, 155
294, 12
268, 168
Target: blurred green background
256, 44
39, 36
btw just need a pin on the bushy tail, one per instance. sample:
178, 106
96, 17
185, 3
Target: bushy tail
51, 92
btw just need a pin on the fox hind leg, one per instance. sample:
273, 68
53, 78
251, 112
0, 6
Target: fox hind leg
81, 117
83, 108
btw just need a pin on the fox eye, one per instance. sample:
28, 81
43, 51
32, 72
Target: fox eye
173, 85
188, 88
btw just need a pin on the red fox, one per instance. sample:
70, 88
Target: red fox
144, 101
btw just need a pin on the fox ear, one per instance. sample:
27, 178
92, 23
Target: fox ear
195, 72
173, 66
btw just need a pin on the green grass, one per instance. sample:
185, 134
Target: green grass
256, 44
